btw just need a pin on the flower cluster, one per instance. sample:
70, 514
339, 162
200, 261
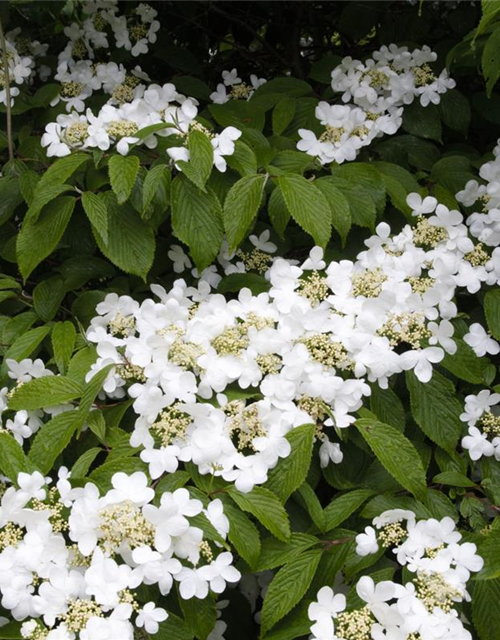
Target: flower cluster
23, 424
221, 382
72, 559
484, 425
101, 20
374, 93
484, 224
21, 63
171, 113
424, 608
233, 88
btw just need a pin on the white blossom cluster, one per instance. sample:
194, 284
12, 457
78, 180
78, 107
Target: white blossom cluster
232, 87
101, 20
133, 104
23, 424
168, 112
83, 65
485, 224
423, 608
482, 418
71, 559
21, 63
221, 382
374, 92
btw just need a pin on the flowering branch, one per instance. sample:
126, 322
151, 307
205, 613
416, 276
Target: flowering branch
8, 106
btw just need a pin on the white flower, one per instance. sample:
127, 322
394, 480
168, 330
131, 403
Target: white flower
220, 571
231, 77
480, 341
150, 616
477, 444
421, 206
420, 361
262, 242
366, 543
163, 460
32, 485
315, 260
179, 258
442, 334
133, 488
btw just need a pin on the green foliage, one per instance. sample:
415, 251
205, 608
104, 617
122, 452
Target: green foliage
123, 172
77, 228
288, 586
396, 453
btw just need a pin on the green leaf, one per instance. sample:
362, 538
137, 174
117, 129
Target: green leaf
200, 615
307, 206
241, 206
455, 112
96, 212
157, 180
81, 362
464, 363
485, 609
306, 496
201, 159
37, 240
291, 471
24, 346
276, 553
96, 423
123, 172
53, 437
288, 587
92, 388
489, 550
63, 343
44, 392
342, 507
453, 478
43, 196
396, 454
12, 457
491, 60
47, 297
243, 534
489, 10
365, 176
283, 114
234, 282
197, 220
131, 241
387, 406
174, 628
84, 462
243, 160
423, 122
294, 625
266, 507
61, 170
278, 211
436, 409
492, 312
11, 631
339, 205
10, 197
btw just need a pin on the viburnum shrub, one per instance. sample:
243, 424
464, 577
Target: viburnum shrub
249, 320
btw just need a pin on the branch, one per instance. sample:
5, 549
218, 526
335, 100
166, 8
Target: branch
8, 107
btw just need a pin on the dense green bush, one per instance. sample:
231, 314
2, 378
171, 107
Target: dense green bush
249, 249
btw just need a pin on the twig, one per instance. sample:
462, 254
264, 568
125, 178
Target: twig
8, 107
